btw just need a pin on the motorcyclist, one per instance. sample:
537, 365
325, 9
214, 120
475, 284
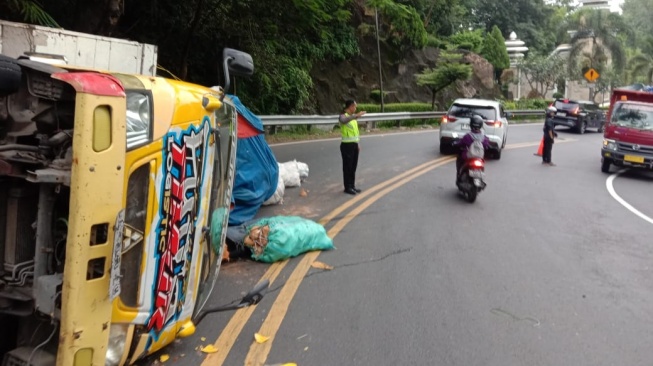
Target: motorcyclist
476, 133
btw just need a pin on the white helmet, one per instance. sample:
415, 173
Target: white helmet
551, 109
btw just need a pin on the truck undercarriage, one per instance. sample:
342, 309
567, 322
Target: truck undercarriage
36, 132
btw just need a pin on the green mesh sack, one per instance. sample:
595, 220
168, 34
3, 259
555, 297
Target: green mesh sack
273, 239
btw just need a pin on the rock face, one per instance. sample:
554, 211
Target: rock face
356, 78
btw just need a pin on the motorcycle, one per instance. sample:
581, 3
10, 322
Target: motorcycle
471, 178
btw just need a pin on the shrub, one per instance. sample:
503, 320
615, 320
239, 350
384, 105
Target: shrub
399, 107
375, 95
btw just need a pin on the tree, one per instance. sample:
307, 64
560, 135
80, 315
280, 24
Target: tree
402, 24
542, 72
494, 50
443, 17
468, 40
449, 70
597, 36
527, 18
26, 11
610, 79
638, 13
597, 39
640, 66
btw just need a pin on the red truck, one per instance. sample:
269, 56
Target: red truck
628, 135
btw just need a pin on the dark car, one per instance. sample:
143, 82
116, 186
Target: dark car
579, 115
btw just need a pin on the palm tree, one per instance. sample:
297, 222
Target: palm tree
596, 40
29, 11
641, 64
595, 37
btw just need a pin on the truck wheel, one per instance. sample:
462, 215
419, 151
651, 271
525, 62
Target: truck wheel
497, 154
10, 74
605, 166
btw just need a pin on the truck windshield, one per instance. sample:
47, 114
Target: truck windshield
633, 115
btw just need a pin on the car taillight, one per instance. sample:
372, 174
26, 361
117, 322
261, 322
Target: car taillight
477, 163
493, 123
447, 119
575, 111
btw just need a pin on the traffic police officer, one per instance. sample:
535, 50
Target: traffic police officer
349, 147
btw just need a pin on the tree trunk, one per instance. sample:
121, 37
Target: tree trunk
433, 99
183, 63
98, 16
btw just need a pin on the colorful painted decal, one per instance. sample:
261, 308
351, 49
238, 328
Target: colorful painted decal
184, 165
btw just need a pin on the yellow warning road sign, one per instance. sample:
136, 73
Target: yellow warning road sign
591, 75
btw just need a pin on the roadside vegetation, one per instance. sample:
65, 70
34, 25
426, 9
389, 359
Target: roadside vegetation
190, 36
279, 134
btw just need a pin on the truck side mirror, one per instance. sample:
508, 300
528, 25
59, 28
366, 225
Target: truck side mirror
236, 62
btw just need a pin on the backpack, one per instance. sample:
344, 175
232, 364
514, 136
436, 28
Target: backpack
476, 149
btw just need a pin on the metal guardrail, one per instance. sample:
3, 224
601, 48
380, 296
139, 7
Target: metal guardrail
371, 117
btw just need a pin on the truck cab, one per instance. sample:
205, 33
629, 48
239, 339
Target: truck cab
115, 191
628, 135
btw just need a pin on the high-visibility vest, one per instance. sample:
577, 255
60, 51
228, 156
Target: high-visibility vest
349, 131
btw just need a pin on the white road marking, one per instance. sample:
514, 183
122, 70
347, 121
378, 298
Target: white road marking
613, 193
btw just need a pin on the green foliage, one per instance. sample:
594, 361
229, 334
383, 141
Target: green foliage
494, 49
282, 86
467, 40
557, 95
449, 70
640, 64
395, 107
375, 95
433, 41
610, 79
542, 72
288, 37
402, 26
398, 107
28, 11
638, 14
526, 104
529, 19
598, 38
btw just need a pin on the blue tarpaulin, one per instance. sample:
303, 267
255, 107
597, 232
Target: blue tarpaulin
257, 170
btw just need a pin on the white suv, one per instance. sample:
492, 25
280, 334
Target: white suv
455, 124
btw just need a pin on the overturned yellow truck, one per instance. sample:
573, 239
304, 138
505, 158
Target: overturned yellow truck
114, 199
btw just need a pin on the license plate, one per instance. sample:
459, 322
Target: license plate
634, 159
475, 173
561, 114
464, 126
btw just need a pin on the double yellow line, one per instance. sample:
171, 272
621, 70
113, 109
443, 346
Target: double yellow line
258, 353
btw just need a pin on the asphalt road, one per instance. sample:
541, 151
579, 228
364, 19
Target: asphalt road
550, 266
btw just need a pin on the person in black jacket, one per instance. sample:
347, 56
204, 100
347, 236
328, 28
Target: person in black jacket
549, 135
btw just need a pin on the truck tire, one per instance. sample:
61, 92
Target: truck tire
10, 75
605, 166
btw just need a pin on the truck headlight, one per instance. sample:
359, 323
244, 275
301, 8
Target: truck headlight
116, 346
138, 119
609, 144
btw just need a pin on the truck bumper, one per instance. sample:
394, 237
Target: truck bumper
628, 160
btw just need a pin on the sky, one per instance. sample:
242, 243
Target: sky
616, 5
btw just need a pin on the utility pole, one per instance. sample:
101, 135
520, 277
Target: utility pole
378, 49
